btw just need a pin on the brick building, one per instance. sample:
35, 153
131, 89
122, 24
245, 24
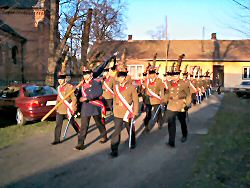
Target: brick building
24, 39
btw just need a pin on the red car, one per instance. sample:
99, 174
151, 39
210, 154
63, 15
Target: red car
30, 102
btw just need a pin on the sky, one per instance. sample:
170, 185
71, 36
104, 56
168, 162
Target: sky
186, 19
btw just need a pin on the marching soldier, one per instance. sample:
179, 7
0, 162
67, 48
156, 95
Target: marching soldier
208, 84
199, 86
143, 92
179, 99
108, 84
166, 80
203, 87
92, 106
154, 92
68, 108
187, 78
195, 81
126, 106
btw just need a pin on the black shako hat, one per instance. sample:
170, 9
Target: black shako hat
85, 71
61, 76
122, 72
151, 71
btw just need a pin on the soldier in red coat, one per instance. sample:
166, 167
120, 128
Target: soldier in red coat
178, 98
154, 92
126, 107
67, 108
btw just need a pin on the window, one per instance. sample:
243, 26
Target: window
14, 52
1, 54
135, 71
34, 91
246, 73
10, 92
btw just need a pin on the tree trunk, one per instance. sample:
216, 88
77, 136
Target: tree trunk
51, 73
58, 52
85, 38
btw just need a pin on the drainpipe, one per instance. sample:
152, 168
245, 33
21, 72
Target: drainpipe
22, 60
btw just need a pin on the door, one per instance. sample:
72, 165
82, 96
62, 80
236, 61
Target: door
218, 75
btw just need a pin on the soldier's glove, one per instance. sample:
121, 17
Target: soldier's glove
134, 116
186, 108
76, 114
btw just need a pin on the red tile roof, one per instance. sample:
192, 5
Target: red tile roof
203, 50
18, 3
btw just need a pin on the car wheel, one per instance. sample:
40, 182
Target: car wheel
20, 118
239, 94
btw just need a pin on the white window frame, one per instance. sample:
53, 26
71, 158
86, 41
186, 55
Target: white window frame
248, 73
136, 77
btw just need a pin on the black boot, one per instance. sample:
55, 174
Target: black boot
79, 147
183, 139
55, 142
147, 129
170, 144
104, 139
114, 154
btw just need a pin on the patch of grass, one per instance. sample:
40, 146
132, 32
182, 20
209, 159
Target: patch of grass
12, 134
224, 160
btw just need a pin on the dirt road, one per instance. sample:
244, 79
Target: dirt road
35, 163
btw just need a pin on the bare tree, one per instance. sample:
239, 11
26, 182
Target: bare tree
58, 53
158, 34
108, 19
107, 24
85, 38
243, 17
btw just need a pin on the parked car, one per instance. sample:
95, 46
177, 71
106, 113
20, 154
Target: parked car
30, 102
243, 89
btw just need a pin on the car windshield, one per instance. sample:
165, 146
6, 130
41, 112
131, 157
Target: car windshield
245, 83
34, 91
11, 91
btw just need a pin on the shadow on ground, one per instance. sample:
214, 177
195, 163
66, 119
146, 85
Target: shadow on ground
151, 164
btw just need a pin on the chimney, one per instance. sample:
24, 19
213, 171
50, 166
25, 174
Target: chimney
130, 37
213, 36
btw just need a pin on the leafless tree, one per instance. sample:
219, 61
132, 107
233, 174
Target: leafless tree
159, 33
243, 17
58, 52
108, 19
107, 23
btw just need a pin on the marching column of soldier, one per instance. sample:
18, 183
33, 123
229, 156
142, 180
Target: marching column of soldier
164, 100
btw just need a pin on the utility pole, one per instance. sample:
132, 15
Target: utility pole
167, 45
203, 36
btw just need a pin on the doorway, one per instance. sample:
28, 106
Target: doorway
218, 75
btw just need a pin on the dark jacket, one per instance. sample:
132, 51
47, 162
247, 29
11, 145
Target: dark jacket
93, 92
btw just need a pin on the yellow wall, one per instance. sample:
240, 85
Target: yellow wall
233, 73
232, 70
203, 65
